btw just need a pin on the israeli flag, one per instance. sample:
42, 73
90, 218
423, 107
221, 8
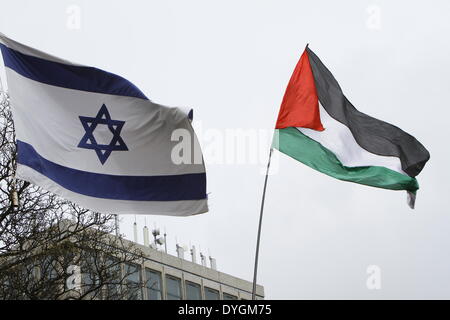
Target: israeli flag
94, 138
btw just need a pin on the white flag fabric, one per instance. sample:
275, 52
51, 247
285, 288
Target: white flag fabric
94, 138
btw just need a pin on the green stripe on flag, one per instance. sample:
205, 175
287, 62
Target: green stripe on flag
295, 144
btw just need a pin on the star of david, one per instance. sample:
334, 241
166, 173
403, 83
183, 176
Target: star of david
115, 126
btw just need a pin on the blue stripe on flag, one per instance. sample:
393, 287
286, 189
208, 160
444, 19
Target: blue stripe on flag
68, 76
138, 188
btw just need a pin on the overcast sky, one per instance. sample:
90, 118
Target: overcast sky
231, 61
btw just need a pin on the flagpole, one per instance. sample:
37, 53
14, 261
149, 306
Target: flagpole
259, 228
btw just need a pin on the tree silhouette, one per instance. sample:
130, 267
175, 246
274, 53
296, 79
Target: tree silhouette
51, 248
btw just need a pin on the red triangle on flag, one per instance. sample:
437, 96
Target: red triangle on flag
300, 106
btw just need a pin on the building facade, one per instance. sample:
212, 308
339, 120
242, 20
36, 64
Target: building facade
166, 277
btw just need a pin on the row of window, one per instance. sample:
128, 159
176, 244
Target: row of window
153, 285
123, 281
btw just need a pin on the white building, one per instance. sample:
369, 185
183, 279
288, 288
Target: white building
169, 277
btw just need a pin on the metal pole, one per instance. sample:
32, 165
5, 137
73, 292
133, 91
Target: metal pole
259, 228
165, 241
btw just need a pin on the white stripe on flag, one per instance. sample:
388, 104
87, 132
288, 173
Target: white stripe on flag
339, 139
55, 129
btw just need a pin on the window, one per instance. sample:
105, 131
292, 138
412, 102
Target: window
89, 279
173, 288
133, 282
113, 279
48, 269
153, 284
193, 291
211, 294
89, 274
227, 296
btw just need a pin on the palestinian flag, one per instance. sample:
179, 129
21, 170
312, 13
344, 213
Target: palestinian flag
319, 127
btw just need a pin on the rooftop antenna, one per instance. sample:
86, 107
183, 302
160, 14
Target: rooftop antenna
155, 233
157, 241
135, 230
193, 254
203, 259
212, 263
165, 240
146, 238
180, 251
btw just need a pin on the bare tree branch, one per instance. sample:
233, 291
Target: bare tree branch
46, 235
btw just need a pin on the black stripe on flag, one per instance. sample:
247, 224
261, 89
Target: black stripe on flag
374, 135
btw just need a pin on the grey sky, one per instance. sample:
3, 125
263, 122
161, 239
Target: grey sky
231, 61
